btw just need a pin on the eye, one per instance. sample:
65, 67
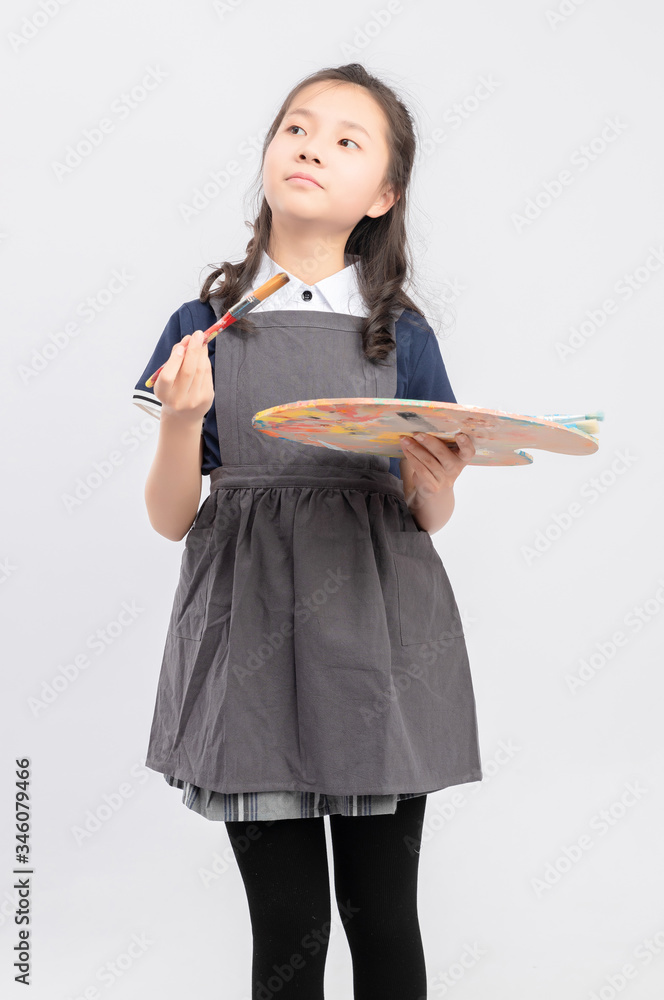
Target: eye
289, 127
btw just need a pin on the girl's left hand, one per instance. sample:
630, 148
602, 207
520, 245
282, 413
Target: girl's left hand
434, 465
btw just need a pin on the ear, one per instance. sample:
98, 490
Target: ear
383, 204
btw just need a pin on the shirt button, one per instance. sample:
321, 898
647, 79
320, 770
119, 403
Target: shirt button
307, 296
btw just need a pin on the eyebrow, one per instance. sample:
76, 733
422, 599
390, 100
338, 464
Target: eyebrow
346, 124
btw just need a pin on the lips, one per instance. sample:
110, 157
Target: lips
303, 177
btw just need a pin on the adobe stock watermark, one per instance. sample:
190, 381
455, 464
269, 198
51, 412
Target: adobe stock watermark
644, 954
626, 286
88, 309
459, 113
413, 675
590, 491
115, 969
221, 863
416, 674
218, 180
281, 453
34, 23
562, 12
606, 650
10, 905
310, 945
441, 298
322, 253
97, 642
110, 804
495, 764
451, 976
7, 568
367, 32
120, 109
439, 814
223, 8
580, 159
449, 292
102, 469
601, 823
303, 609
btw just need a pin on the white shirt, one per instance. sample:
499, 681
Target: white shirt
339, 293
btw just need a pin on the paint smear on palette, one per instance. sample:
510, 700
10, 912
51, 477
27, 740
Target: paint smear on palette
326, 444
374, 426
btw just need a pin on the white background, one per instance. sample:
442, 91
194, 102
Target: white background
540, 591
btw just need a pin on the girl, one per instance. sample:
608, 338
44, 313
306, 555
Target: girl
315, 662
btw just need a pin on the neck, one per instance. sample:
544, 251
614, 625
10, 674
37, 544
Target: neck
310, 258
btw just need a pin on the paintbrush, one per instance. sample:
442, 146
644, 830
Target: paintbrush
241, 308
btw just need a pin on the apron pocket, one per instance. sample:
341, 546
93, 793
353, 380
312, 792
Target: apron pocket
427, 608
340, 620
191, 596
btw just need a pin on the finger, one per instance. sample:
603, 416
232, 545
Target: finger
448, 453
423, 469
201, 376
191, 344
172, 366
466, 446
433, 452
203, 363
194, 351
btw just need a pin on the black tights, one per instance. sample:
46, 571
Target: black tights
284, 867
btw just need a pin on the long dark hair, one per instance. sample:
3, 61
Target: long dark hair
385, 263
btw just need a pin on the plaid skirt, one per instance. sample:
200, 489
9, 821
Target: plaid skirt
254, 806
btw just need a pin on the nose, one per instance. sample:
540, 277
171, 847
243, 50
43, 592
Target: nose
305, 150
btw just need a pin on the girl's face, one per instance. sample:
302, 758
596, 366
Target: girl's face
348, 161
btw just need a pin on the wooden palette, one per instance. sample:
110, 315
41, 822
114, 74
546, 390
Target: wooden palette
374, 426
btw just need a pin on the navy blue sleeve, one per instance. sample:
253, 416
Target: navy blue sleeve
428, 378
178, 326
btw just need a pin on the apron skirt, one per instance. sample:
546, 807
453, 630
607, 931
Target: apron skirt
314, 642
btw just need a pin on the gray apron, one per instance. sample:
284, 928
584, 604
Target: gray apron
314, 642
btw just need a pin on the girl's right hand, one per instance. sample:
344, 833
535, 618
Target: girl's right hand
184, 385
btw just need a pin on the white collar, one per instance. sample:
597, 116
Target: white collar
338, 293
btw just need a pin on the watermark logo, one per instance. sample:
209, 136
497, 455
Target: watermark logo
459, 113
581, 159
121, 108
68, 673
88, 309
606, 649
596, 318
365, 34
571, 854
562, 521
563, 12
31, 26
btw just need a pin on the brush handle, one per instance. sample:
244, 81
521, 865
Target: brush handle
241, 308
586, 422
